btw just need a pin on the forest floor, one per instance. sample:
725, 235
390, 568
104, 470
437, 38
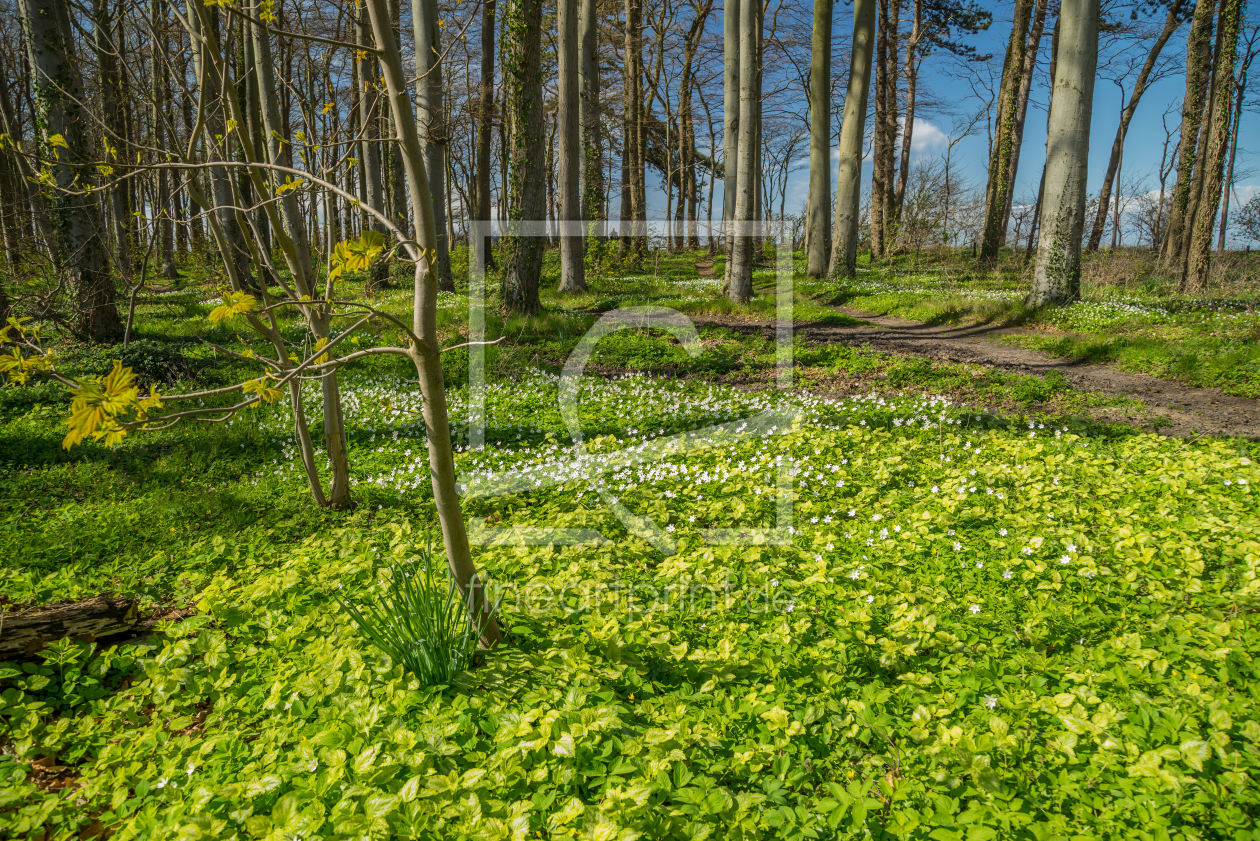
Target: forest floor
1049, 629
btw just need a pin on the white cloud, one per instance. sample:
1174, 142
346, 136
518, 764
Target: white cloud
927, 138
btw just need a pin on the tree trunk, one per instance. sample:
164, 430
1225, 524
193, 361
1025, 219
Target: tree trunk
1058, 273
485, 123
743, 255
1206, 196
372, 184
432, 128
527, 192
999, 185
1239, 96
572, 160
886, 73
59, 98
427, 356
852, 129
819, 210
592, 134
1198, 79
108, 83
1171, 23
1032, 47
633, 237
730, 117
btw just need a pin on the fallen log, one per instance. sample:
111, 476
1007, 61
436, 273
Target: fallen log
27, 632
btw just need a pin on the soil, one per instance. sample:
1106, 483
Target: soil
1170, 407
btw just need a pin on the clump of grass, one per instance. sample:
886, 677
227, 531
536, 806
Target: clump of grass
420, 621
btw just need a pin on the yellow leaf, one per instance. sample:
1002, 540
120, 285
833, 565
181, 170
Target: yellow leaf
234, 304
56, 140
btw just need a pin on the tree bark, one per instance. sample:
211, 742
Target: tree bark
485, 122
572, 158
819, 210
1021, 107
27, 632
633, 239
743, 256
730, 115
999, 185
1227, 187
59, 98
109, 84
432, 116
1198, 79
527, 191
1171, 23
852, 129
1206, 196
1058, 273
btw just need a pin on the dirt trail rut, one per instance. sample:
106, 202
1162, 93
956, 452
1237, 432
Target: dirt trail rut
1188, 411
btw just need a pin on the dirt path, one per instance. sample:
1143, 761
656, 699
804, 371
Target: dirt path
1188, 411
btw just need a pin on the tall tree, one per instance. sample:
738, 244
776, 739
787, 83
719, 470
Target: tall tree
730, 113
634, 165
1198, 80
431, 113
426, 353
485, 121
886, 71
1240, 93
852, 128
109, 85
571, 160
527, 188
1205, 195
68, 148
1000, 187
819, 208
1058, 272
592, 134
1176, 16
743, 256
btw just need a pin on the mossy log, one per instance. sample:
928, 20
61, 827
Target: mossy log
28, 632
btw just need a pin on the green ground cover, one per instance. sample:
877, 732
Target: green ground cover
1206, 342
974, 625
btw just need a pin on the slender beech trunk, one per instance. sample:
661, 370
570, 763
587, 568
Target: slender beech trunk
730, 115
427, 355
818, 221
1031, 49
911, 75
372, 185
572, 160
886, 68
743, 256
1198, 80
1240, 88
485, 122
852, 128
592, 134
1171, 23
1206, 198
527, 193
1058, 273
432, 128
108, 82
633, 239
999, 186
81, 231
